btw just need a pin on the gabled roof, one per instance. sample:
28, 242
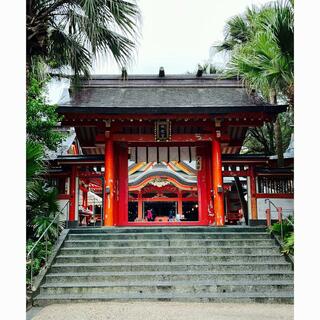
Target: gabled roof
171, 94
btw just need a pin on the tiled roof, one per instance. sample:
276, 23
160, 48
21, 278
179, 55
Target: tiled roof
172, 94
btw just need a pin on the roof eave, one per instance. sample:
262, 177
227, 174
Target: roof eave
196, 109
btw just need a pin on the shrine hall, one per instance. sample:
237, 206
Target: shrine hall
148, 150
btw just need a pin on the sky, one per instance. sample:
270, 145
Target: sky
175, 34
178, 34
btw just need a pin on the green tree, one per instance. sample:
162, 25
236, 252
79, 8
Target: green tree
261, 42
71, 33
261, 140
42, 118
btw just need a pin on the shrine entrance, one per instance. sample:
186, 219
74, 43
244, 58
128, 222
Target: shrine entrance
166, 185
163, 192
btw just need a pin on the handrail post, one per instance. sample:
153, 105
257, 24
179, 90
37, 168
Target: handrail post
31, 269
46, 238
279, 209
58, 228
268, 217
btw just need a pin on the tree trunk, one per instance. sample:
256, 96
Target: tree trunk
270, 130
279, 142
243, 202
277, 133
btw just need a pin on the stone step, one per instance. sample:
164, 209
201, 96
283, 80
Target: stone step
166, 286
229, 264
166, 229
190, 266
166, 276
168, 250
169, 235
253, 297
156, 258
166, 242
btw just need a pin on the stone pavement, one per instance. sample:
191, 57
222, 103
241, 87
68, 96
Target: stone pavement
163, 311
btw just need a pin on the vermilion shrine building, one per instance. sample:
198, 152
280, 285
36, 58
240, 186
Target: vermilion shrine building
170, 144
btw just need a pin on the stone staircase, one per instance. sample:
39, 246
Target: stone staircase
230, 264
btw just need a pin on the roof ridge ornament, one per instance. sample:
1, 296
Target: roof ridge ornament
200, 71
161, 72
124, 74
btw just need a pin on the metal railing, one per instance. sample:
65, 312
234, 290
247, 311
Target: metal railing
280, 217
268, 215
44, 235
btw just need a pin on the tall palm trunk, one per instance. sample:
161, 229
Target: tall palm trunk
277, 133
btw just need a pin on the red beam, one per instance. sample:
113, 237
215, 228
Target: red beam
178, 137
90, 175
165, 199
275, 195
244, 173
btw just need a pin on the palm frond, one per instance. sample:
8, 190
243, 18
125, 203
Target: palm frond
34, 156
73, 32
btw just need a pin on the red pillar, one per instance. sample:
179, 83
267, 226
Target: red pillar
72, 206
180, 211
253, 192
109, 183
140, 213
203, 184
122, 157
217, 183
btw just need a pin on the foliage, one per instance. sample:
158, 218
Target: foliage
288, 244
261, 140
42, 118
41, 199
34, 157
261, 41
41, 121
261, 46
287, 227
39, 257
71, 33
208, 68
42, 206
288, 234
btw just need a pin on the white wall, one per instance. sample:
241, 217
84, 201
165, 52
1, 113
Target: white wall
287, 206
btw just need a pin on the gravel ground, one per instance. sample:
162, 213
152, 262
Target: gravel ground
164, 311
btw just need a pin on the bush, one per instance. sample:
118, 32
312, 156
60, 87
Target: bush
288, 244
288, 234
287, 227
39, 257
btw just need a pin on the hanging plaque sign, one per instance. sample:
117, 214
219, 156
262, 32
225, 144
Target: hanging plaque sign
162, 130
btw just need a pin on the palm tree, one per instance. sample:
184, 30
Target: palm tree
262, 54
73, 32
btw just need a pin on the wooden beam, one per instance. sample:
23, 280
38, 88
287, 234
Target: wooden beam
177, 137
275, 195
243, 173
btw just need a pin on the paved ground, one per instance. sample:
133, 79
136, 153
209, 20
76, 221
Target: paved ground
163, 311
